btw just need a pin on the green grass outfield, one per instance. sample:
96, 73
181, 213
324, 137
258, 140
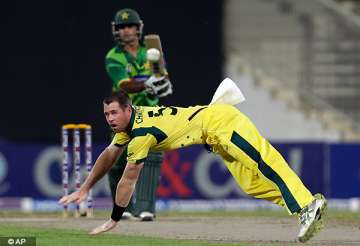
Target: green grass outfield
46, 236
56, 237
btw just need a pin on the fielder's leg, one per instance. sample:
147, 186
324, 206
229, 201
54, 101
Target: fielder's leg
274, 170
248, 148
114, 176
253, 185
244, 143
146, 186
311, 217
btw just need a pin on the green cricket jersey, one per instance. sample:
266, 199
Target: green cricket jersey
122, 66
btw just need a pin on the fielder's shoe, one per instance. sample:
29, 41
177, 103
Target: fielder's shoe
146, 216
107, 226
312, 218
127, 216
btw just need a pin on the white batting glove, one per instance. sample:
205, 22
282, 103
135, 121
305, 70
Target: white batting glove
166, 89
154, 84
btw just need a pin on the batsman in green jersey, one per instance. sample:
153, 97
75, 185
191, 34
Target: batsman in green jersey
128, 68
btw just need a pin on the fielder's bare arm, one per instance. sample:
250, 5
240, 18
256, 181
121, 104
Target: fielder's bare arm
101, 167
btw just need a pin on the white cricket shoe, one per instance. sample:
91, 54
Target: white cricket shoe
312, 218
146, 216
127, 216
107, 226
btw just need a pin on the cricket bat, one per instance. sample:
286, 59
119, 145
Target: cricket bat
155, 54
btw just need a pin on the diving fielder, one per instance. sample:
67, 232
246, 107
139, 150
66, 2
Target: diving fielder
256, 165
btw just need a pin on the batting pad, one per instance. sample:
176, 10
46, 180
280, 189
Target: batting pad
228, 93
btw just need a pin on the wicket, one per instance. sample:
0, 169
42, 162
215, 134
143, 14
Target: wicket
76, 158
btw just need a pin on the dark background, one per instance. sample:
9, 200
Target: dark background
52, 60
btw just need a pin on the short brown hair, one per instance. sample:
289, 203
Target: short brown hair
119, 96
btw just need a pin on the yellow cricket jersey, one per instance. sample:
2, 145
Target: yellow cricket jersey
160, 128
165, 128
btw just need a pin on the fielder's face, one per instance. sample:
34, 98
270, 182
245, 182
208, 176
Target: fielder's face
117, 117
128, 33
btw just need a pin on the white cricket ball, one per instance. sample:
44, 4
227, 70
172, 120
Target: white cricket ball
153, 55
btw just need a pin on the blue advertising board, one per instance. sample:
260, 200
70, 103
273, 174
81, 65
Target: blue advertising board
34, 170
345, 170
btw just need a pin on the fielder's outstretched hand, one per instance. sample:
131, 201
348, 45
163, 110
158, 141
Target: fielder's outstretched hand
77, 197
107, 226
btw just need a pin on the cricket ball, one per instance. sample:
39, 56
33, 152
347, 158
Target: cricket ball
153, 55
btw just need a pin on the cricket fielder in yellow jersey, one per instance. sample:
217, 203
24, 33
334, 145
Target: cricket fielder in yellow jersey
256, 165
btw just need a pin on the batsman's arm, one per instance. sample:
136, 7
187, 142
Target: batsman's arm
121, 80
102, 165
131, 86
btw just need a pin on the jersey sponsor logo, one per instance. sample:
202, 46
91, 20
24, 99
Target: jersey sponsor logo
139, 115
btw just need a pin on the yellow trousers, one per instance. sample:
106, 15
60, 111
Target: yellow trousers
256, 165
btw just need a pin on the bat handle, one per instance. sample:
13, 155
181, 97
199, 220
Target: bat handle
157, 70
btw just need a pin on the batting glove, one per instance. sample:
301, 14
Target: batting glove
166, 89
154, 84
